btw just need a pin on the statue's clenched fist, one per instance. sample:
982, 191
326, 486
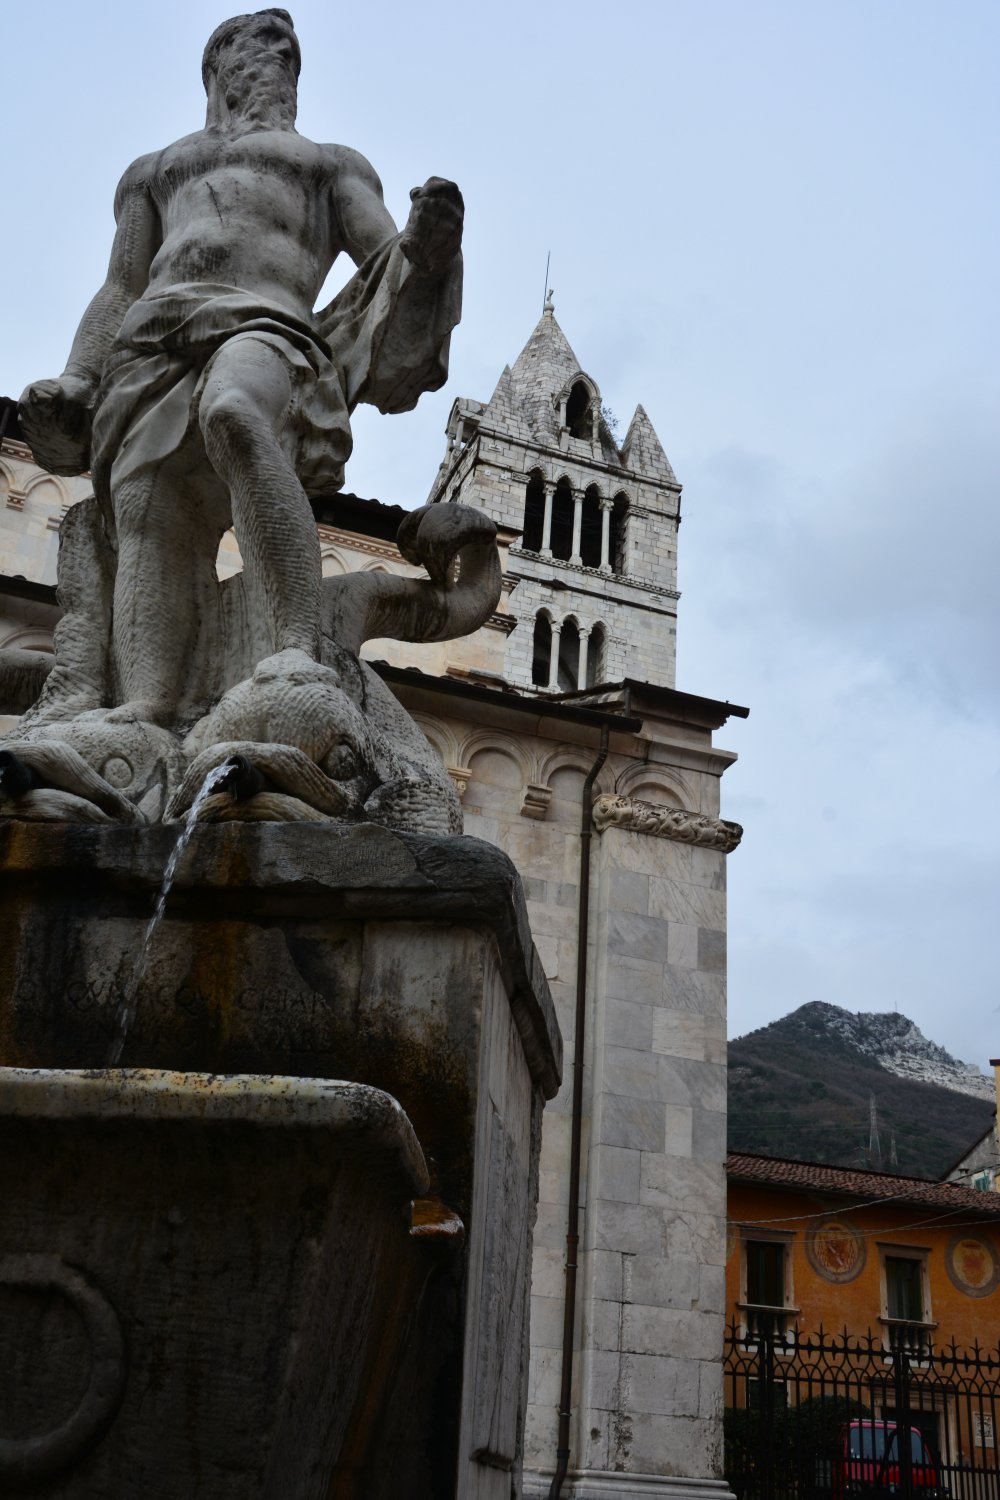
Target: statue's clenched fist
433, 233
55, 419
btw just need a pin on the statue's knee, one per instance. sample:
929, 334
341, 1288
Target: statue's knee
224, 420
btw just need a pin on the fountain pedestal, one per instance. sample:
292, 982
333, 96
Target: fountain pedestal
390, 1347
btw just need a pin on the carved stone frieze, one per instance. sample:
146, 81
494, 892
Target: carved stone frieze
614, 811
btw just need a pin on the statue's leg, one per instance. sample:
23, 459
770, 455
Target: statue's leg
246, 402
168, 540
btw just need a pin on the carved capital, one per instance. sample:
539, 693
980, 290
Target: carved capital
460, 778
614, 811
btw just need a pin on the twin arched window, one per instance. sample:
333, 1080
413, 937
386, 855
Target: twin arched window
567, 656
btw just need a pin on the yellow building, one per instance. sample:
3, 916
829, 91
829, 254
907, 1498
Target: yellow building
867, 1298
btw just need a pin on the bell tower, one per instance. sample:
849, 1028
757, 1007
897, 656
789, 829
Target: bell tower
596, 563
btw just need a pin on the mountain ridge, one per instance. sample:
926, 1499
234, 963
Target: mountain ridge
801, 1088
898, 1044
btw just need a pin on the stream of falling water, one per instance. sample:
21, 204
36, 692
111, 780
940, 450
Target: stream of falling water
125, 1013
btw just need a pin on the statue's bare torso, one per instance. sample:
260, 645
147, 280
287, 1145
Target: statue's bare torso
267, 211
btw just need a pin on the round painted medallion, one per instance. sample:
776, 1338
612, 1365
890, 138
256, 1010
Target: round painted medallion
835, 1249
972, 1264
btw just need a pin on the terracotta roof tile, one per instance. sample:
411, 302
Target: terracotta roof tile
782, 1173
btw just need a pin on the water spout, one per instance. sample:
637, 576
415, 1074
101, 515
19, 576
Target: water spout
240, 778
226, 776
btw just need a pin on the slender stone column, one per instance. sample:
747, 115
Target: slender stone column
546, 548
554, 656
577, 526
607, 506
581, 675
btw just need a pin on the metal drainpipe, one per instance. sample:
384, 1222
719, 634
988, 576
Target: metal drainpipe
573, 1212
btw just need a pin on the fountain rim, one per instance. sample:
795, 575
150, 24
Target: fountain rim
368, 1120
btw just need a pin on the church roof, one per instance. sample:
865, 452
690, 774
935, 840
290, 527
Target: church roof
504, 408
543, 369
642, 451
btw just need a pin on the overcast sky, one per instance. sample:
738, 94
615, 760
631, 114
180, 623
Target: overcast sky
776, 226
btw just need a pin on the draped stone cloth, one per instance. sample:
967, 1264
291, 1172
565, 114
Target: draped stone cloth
383, 340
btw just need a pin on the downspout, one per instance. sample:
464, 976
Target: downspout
573, 1211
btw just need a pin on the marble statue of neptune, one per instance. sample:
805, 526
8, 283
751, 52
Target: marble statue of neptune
204, 392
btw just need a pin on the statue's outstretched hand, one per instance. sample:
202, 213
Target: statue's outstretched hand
433, 234
55, 420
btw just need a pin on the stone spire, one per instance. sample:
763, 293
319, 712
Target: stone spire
541, 371
504, 410
642, 450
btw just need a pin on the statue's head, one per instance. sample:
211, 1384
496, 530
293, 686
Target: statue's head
250, 68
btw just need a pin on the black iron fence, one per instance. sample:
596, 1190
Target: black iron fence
832, 1417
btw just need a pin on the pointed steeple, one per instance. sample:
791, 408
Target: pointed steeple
642, 451
541, 371
502, 410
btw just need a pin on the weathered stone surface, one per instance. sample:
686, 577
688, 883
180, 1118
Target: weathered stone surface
228, 1249
393, 960
262, 959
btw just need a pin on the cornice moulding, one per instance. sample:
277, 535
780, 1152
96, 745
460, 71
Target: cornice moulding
614, 811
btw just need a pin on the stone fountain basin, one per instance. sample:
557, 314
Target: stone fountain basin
275, 1211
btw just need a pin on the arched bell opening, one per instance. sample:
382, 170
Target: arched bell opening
597, 654
562, 520
590, 528
541, 652
534, 513
616, 549
579, 415
567, 676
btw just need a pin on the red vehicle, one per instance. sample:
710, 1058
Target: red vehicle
868, 1462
